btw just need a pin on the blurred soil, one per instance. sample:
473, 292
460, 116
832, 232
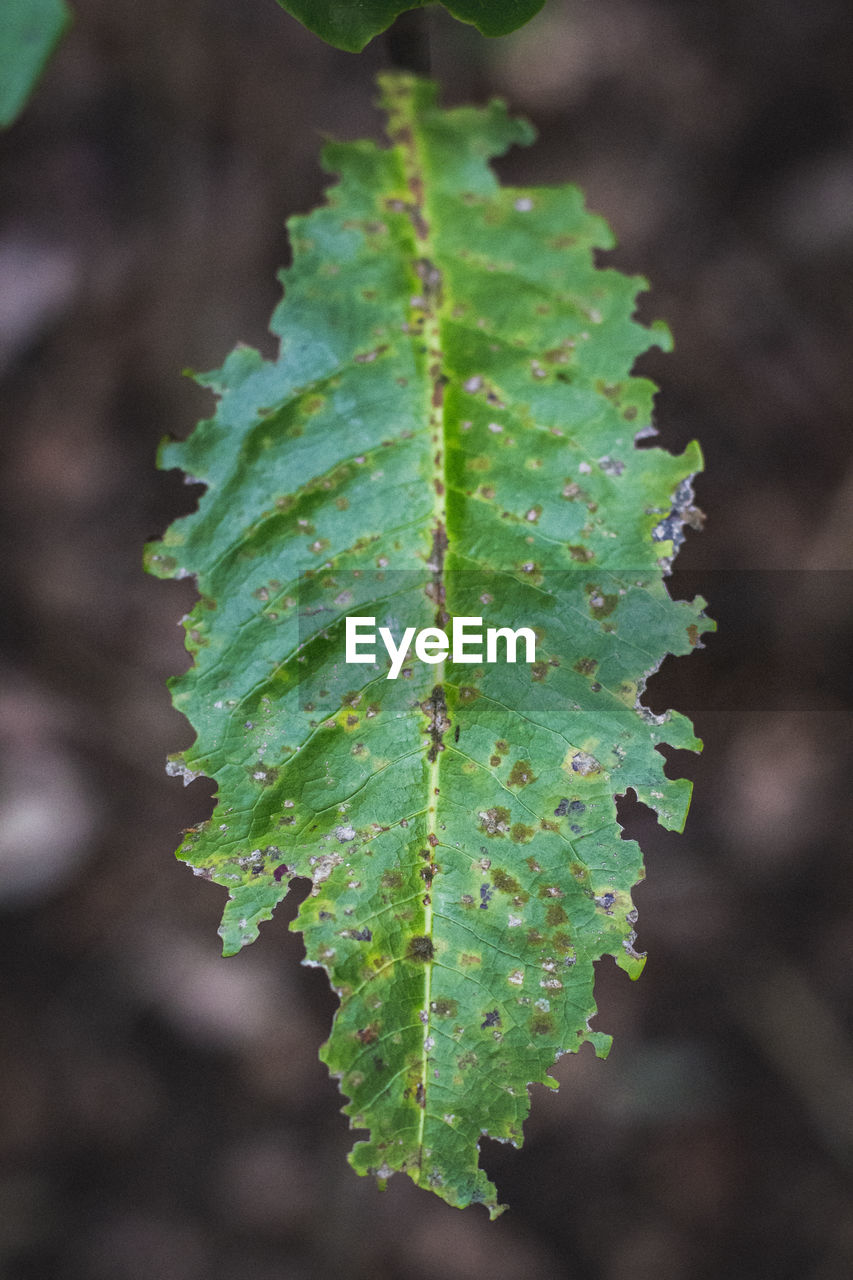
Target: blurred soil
163, 1113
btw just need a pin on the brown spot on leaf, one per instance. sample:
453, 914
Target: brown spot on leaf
541, 1024
521, 774
444, 1007
495, 822
420, 949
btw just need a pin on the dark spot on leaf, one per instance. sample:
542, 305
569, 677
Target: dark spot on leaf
495, 822
444, 1008
541, 1024
561, 942
534, 937
586, 666
555, 915
562, 808
521, 774
577, 806
601, 606
367, 1035
485, 896
280, 871
493, 1019
467, 694
693, 633
494, 761
581, 554
505, 882
264, 775
420, 949
539, 670
521, 833
502, 746
392, 880
359, 935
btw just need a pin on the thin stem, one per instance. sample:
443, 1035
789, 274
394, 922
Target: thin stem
408, 42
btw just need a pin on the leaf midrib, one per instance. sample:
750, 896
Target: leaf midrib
403, 131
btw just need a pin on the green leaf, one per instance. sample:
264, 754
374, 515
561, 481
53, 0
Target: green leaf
29, 30
350, 24
448, 431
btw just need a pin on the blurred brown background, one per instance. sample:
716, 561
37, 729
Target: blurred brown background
162, 1111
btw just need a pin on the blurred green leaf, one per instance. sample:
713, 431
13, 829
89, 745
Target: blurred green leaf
448, 431
29, 31
350, 24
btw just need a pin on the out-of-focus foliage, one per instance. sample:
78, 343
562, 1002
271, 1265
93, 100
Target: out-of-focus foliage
29, 31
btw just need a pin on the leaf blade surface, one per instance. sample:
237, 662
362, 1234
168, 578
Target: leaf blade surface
350, 26
448, 432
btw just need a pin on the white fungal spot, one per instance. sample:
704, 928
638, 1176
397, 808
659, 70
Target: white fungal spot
176, 769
